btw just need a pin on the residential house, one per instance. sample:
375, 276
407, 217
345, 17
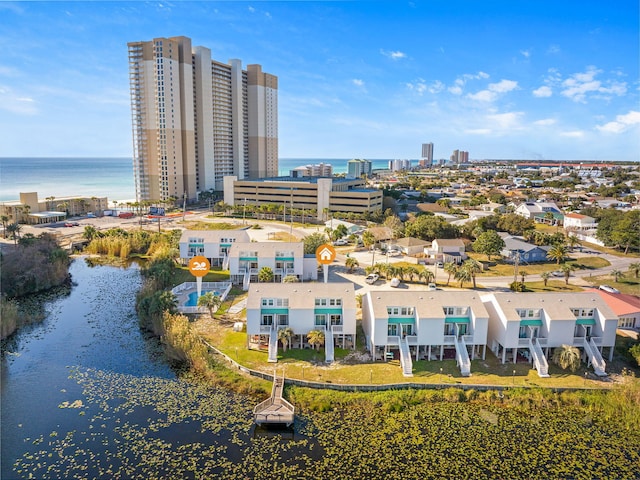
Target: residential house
409, 245
212, 244
626, 307
526, 252
447, 250
302, 307
432, 208
352, 228
415, 325
532, 209
246, 259
576, 222
528, 326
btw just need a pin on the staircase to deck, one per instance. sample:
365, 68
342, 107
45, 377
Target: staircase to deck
225, 262
462, 356
273, 344
539, 360
329, 349
405, 358
246, 281
595, 357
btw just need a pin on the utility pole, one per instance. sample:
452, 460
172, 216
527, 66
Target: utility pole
184, 205
244, 211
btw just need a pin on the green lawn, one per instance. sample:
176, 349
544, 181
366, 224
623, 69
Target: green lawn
552, 286
627, 284
308, 365
503, 269
183, 275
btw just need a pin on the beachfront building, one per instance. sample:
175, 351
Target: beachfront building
212, 244
246, 259
425, 325
358, 167
318, 194
528, 326
30, 209
312, 170
303, 307
196, 119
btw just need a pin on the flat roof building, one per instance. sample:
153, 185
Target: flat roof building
324, 195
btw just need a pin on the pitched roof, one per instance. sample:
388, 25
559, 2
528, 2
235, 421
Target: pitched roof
449, 242
621, 303
410, 242
431, 207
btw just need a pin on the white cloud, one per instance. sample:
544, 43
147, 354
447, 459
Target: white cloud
357, 82
553, 49
492, 91
583, 84
542, 92
506, 121
573, 134
11, 102
503, 86
459, 83
393, 55
545, 122
525, 53
479, 131
622, 123
251, 9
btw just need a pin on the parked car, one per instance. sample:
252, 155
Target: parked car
372, 278
439, 265
607, 288
71, 224
557, 273
340, 242
395, 282
431, 287
394, 253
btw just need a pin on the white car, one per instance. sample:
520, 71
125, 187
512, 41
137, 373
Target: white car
341, 242
607, 288
394, 253
395, 282
431, 287
372, 278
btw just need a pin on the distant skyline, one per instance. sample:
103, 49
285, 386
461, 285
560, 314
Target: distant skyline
556, 80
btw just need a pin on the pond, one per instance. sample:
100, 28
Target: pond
86, 395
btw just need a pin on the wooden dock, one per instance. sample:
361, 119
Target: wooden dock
275, 410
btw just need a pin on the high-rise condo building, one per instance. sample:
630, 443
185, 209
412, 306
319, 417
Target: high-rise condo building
196, 120
358, 167
427, 153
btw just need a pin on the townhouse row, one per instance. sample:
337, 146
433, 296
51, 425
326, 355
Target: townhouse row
233, 250
420, 325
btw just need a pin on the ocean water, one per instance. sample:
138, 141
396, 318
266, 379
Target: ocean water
100, 177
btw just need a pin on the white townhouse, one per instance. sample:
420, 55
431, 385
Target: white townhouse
303, 307
576, 222
529, 326
212, 244
425, 325
246, 259
447, 250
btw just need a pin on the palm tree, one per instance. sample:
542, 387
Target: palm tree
573, 242
5, 220
64, 206
426, 275
566, 269
545, 277
473, 267
522, 275
210, 301
14, 230
567, 356
284, 335
616, 274
316, 338
557, 252
351, 263
633, 268
451, 268
265, 275
368, 239
463, 274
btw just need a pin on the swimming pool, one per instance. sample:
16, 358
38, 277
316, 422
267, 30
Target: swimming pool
193, 297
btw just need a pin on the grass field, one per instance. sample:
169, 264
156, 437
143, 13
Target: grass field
627, 284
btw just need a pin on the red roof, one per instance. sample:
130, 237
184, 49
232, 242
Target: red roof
621, 303
574, 215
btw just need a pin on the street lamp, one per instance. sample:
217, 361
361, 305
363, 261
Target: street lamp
244, 211
370, 376
585, 378
513, 381
440, 374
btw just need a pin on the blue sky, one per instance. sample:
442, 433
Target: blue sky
535, 79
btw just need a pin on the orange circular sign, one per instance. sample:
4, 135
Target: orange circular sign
199, 266
325, 254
